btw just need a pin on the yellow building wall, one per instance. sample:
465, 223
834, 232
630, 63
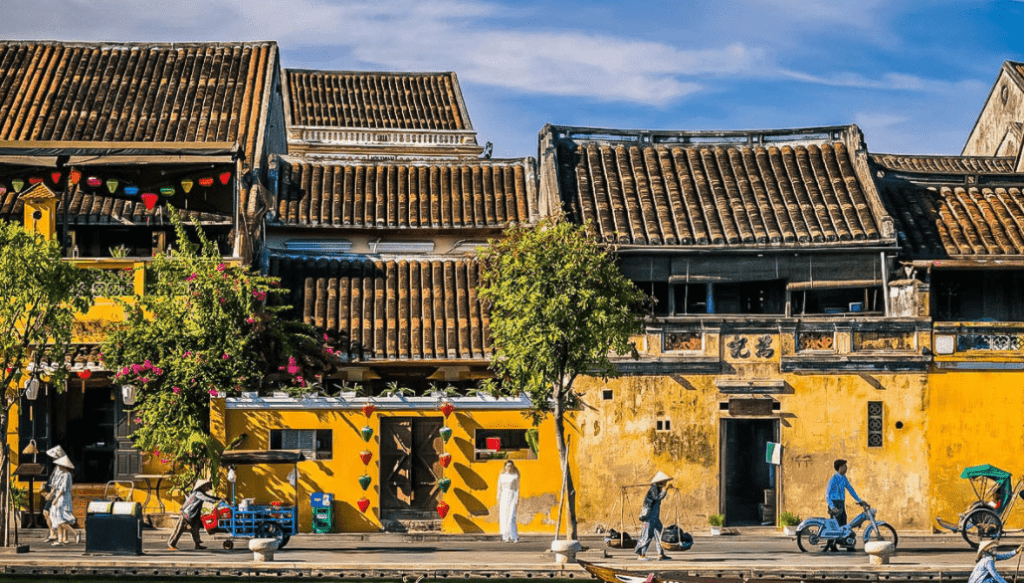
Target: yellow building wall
976, 417
821, 417
472, 493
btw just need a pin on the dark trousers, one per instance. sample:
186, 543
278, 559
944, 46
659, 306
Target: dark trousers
185, 523
840, 518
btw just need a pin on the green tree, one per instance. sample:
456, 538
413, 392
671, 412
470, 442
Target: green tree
203, 329
558, 306
41, 293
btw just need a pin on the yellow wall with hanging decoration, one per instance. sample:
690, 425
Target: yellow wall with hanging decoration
473, 471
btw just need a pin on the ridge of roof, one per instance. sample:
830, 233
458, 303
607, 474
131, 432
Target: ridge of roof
131, 44
944, 164
765, 137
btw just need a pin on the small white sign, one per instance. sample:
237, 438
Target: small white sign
773, 454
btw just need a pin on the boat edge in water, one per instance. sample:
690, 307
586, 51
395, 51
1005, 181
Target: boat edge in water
613, 575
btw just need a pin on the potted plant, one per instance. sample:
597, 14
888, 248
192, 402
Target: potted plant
789, 521
19, 503
716, 521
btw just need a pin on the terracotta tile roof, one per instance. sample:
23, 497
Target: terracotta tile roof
956, 219
945, 164
438, 194
101, 92
345, 99
88, 208
393, 309
80, 356
789, 195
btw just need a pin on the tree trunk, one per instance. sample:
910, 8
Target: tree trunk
563, 454
5, 481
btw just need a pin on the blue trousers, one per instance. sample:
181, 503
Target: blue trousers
651, 532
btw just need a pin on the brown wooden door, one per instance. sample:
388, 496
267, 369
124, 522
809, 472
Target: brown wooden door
409, 467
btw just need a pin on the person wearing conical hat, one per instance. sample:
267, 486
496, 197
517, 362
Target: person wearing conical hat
190, 517
650, 516
985, 569
61, 515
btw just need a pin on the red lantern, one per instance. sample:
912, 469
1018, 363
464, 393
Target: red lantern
93, 181
368, 409
366, 455
445, 459
363, 504
35, 180
447, 409
207, 181
55, 177
149, 199
75, 176
224, 177
442, 509
84, 373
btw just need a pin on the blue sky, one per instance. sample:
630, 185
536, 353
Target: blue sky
912, 74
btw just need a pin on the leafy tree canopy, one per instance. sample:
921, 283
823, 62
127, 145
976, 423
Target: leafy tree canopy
558, 307
203, 329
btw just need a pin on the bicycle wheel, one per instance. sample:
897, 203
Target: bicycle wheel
273, 530
809, 537
885, 532
981, 525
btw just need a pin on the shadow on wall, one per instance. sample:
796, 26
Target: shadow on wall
469, 477
466, 525
473, 505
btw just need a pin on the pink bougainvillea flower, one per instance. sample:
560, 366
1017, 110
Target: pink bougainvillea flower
223, 300
293, 366
221, 267
250, 320
213, 392
147, 364
177, 390
144, 380
187, 354
259, 295
136, 368
158, 371
225, 356
191, 277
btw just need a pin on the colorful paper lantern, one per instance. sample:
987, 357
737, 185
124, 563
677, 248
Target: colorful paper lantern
368, 409
55, 177
84, 373
3, 190
75, 176
447, 409
225, 177
363, 504
364, 481
112, 185
444, 484
149, 199
167, 190
131, 190
446, 433
445, 459
18, 184
93, 181
366, 455
206, 181
442, 509
35, 180
366, 433
186, 185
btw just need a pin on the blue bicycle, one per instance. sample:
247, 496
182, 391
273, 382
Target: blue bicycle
817, 532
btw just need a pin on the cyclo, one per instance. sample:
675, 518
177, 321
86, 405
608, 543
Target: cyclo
995, 495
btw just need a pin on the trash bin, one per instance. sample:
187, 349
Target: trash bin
323, 511
113, 527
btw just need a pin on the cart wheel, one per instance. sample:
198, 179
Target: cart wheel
229, 544
981, 525
271, 529
284, 540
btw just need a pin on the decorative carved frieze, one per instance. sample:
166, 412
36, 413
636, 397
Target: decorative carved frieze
883, 341
1008, 341
815, 341
683, 342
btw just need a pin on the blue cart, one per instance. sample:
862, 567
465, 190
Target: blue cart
278, 521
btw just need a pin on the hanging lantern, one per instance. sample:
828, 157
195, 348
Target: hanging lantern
206, 181
75, 176
366, 432
442, 509
93, 181
3, 190
225, 177
55, 177
446, 433
445, 459
186, 185
447, 409
112, 185
131, 190
128, 395
363, 504
167, 191
444, 484
18, 184
35, 180
84, 374
366, 455
32, 389
364, 481
368, 409
149, 199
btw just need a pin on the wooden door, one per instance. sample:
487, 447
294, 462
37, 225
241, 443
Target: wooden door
409, 466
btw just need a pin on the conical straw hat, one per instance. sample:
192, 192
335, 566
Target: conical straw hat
660, 477
56, 452
64, 462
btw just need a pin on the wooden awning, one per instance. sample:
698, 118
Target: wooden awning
243, 457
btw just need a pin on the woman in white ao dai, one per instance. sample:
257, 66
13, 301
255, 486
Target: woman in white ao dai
508, 502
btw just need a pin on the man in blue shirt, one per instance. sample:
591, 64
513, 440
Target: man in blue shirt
835, 496
985, 569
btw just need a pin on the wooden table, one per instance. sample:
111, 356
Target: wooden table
31, 472
152, 489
